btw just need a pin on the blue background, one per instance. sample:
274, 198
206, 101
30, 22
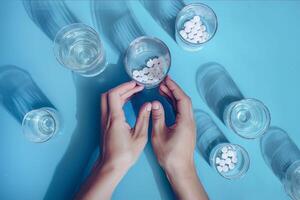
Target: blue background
257, 42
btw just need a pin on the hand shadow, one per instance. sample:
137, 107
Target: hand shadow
164, 13
49, 16
86, 136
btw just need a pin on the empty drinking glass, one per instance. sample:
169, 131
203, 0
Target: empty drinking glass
20, 95
283, 157
247, 117
79, 48
230, 160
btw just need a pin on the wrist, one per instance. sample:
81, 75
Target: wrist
181, 171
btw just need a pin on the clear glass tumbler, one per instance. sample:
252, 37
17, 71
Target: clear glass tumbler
231, 161
208, 26
283, 157
247, 117
79, 48
147, 61
20, 95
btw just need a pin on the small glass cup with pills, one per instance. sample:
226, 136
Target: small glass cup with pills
195, 25
147, 61
230, 160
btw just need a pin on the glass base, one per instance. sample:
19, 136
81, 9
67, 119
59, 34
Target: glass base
41, 124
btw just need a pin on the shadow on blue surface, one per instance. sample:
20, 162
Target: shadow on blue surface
19, 94
117, 23
216, 87
86, 136
208, 134
164, 13
49, 16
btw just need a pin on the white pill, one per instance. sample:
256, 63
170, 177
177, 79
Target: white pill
225, 168
196, 18
188, 24
135, 73
149, 63
190, 35
230, 153
224, 149
145, 70
224, 155
197, 27
234, 160
187, 29
231, 166
218, 160
222, 163
220, 169
228, 161
202, 28
183, 34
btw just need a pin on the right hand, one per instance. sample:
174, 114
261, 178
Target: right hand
174, 146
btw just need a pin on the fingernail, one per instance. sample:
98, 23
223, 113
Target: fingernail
156, 106
148, 107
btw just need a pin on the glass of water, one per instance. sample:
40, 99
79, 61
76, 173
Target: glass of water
78, 47
195, 25
26, 102
247, 117
41, 124
282, 155
147, 61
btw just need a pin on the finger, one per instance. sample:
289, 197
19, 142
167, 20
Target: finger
104, 111
115, 101
183, 102
142, 123
164, 90
158, 118
127, 95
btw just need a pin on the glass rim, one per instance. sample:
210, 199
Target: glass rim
188, 7
136, 40
63, 31
246, 158
263, 130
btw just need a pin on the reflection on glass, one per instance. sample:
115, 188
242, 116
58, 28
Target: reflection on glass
116, 22
283, 157
78, 47
49, 16
27, 103
230, 160
164, 13
247, 117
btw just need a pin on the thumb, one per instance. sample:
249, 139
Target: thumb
142, 122
158, 118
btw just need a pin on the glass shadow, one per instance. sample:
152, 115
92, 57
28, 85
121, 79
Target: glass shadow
216, 87
116, 22
50, 16
208, 134
19, 94
279, 151
164, 13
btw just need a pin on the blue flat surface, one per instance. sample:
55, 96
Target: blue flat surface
258, 44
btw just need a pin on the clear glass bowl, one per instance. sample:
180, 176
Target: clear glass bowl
140, 53
241, 164
79, 48
41, 124
249, 118
208, 18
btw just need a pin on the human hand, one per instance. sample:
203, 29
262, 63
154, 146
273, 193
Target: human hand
174, 146
122, 144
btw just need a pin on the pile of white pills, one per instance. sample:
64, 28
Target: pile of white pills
227, 159
194, 31
152, 73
